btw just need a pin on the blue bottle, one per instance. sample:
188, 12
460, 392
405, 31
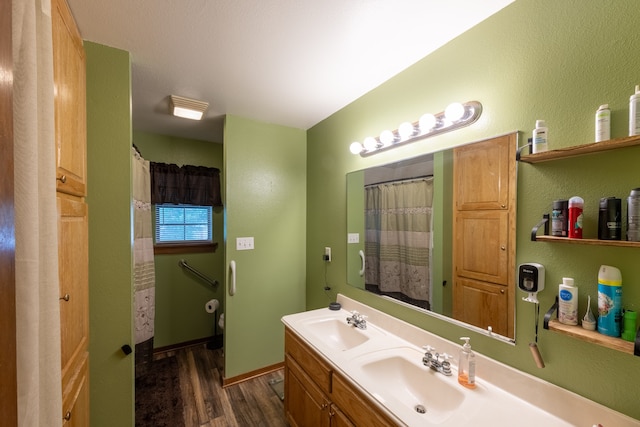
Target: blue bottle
609, 301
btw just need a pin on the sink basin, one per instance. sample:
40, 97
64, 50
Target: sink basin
337, 334
398, 379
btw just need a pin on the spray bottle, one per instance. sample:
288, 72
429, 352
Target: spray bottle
609, 300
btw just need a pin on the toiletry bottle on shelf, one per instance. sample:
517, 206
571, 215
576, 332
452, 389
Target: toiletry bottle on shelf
634, 112
540, 137
576, 205
603, 123
467, 365
568, 302
609, 300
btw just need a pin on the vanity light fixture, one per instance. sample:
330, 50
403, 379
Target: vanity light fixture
455, 116
187, 108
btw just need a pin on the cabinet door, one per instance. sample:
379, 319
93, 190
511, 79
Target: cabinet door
356, 406
69, 76
305, 404
482, 177
482, 304
339, 419
75, 403
73, 266
482, 245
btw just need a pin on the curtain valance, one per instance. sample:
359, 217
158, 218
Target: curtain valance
192, 185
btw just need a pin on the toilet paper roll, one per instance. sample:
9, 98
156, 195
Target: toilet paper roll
211, 306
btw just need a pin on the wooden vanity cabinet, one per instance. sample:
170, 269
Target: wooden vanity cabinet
316, 396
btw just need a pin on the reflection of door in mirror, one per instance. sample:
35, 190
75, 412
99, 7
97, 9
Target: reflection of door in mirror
484, 230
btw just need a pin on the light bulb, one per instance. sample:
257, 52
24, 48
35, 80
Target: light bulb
370, 143
387, 137
406, 130
454, 112
355, 148
427, 122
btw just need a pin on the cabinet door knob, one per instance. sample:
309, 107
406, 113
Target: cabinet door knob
67, 416
502, 291
62, 179
66, 297
503, 206
503, 247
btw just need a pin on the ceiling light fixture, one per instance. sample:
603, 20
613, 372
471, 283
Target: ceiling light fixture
455, 116
187, 108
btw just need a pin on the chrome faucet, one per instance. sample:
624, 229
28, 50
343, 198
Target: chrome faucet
358, 320
437, 362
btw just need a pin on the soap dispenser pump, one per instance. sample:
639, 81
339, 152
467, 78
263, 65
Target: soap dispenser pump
467, 365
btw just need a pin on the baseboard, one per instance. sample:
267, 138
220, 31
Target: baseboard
226, 382
185, 344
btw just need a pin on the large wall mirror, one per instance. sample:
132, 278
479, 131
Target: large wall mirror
401, 223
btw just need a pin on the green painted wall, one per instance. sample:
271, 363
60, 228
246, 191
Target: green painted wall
265, 181
180, 296
110, 238
536, 59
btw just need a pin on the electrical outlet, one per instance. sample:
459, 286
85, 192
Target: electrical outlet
327, 254
353, 238
244, 243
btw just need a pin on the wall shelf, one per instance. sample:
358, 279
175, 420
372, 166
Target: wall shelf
580, 150
593, 242
593, 337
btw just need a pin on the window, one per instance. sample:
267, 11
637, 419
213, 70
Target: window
183, 224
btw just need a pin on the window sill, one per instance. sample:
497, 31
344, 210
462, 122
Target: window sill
182, 248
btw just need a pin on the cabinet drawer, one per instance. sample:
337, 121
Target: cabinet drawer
356, 406
317, 369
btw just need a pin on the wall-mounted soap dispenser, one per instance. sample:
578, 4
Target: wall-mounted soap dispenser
531, 280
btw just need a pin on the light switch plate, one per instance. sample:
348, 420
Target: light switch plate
244, 243
353, 238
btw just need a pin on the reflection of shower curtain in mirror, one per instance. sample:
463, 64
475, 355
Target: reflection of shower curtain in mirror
398, 239
144, 268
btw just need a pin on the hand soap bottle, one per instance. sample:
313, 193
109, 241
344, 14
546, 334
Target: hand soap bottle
467, 365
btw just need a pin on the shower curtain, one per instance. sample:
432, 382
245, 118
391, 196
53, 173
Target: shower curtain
144, 268
398, 239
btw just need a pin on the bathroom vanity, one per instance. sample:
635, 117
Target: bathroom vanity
339, 375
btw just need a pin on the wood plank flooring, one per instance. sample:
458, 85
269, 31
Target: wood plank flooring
251, 403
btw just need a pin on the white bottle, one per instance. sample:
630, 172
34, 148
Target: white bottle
603, 123
634, 113
467, 365
568, 302
540, 137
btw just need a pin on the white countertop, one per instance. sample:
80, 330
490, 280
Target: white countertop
504, 396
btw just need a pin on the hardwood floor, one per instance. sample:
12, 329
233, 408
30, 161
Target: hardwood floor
206, 404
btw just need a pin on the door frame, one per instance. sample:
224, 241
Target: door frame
8, 379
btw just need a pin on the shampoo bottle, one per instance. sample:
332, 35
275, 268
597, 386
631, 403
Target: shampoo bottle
467, 365
634, 113
568, 302
540, 137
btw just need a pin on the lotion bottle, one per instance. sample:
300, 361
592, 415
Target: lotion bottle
634, 113
467, 365
568, 302
540, 137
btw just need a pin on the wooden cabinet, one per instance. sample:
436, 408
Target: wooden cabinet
73, 231
69, 77
484, 212
483, 304
316, 396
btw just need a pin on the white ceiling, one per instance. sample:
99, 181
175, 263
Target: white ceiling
288, 62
